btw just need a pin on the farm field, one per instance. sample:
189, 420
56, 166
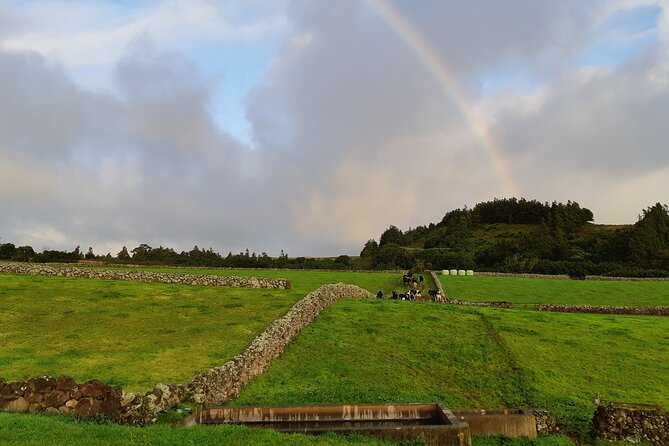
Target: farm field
139, 334
542, 291
373, 351
126, 333
136, 335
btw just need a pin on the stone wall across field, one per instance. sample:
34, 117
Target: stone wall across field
567, 277
628, 279
602, 309
632, 425
524, 275
67, 270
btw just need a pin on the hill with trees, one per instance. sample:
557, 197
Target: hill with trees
519, 235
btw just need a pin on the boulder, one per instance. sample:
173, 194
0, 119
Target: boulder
18, 405
93, 389
88, 408
56, 398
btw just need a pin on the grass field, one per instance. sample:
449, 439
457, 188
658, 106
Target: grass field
538, 291
136, 334
361, 351
126, 333
373, 351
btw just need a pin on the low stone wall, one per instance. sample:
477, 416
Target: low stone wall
66, 270
602, 309
61, 395
467, 303
224, 383
632, 425
567, 277
524, 276
629, 279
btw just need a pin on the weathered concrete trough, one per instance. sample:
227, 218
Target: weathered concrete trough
434, 423
508, 422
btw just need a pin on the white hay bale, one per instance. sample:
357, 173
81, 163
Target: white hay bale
444, 272
454, 272
469, 272
461, 272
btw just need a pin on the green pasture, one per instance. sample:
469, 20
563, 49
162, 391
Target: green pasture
389, 351
139, 334
566, 360
362, 351
127, 333
553, 291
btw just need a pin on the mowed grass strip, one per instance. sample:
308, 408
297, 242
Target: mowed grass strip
127, 333
553, 291
388, 351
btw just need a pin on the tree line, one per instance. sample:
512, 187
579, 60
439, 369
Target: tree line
512, 235
147, 255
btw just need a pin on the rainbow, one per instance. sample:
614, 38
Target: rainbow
436, 66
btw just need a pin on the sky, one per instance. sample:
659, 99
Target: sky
310, 126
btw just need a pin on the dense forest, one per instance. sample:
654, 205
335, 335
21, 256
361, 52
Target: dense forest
507, 235
512, 235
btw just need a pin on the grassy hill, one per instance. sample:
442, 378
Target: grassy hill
527, 236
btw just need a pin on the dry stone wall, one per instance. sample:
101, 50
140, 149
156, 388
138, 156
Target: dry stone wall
567, 277
632, 425
61, 395
602, 309
525, 276
224, 383
65, 270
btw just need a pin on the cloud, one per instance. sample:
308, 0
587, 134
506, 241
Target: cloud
352, 132
369, 139
150, 165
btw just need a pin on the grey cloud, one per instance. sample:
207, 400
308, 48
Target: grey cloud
370, 138
149, 165
610, 121
352, 133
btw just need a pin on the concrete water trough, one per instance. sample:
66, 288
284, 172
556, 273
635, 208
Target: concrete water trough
508, 422
434, 423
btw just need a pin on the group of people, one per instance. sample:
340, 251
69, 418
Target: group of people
414, 286
411, 295
410, 281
